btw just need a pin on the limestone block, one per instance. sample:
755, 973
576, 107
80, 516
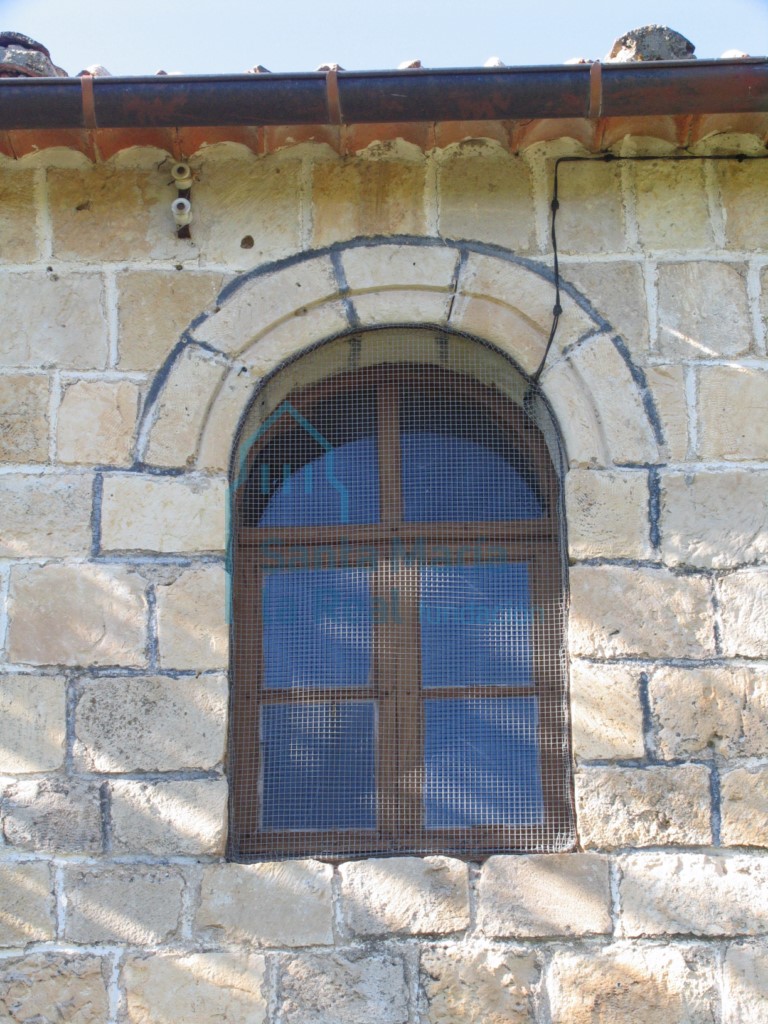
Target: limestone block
617, 292
591, 214
667, 385
483, 986
96, 422
411, 305
45, 515
32, 726
576, 414
742, 193
131, 903
541, 895
617, 610
53, 321
744, 613
606, 714
151, 724
373, 268
26, 903
102, 211
745, 989
615, 395
55, 815
260, 198
710, 711
154, 307
24, 402
184, 818
343, 988
714, 520
607, 514
694, 894
259, 302
408, 895
293, 900
485, 193
35, 986
671, 204
627, 984
160, 514
223, 418
192, 620
703, 310
744, 806
360, 196
76, 615
225, 987
502, 325
182, 406
290, 336
643, 806
731, 407
18, 227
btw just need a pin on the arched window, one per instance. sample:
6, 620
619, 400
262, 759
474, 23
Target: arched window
398, 674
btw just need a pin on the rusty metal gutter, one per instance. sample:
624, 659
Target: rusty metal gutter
377, 97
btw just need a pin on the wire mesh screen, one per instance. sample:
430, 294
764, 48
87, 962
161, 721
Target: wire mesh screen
398, 603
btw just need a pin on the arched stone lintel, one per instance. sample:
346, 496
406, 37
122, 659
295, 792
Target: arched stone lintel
266, 316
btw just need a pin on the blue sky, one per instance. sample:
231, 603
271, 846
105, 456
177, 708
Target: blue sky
228, 36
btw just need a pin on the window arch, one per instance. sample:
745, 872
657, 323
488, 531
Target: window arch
398, 672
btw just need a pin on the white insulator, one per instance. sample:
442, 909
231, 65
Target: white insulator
182, 176
182, 212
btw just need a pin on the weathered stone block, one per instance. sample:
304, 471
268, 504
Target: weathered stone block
131, 903
540, 895
667, 384
742, 189
76, 615
583, 437
343, 988
26, 904
103, 211
57, 321
184, 818
18, 228
731, 400
606, 713
693, 894
710, 711
616, 291
744, 613
225, 987
406, 305
293, 900
54, 815
182, 407
96, 422
61, 987
290, 335
503, 326
24, 402
633, 985
676, 619
714, 519
192, 620
485, 193
483, 986
672, 207
744, 807
408, 895
151, 724
643, 806
361, 196
32, 726
607, 514
378, 267
160, 514
703, 310
591, 214
745, 977
45, 515
154, 307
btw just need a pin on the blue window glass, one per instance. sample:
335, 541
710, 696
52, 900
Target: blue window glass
316, 627
475, 625
318, 766
481, 763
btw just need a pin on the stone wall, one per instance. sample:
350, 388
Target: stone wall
126, 360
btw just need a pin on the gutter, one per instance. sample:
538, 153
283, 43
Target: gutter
381, 97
